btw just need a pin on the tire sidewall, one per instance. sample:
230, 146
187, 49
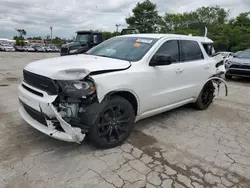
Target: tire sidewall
199, 104
93, 133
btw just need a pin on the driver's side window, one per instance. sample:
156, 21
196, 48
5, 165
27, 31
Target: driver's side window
170, 48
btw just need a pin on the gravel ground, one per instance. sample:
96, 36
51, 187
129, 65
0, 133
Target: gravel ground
180, 148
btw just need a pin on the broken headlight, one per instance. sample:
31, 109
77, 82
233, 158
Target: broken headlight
79, 89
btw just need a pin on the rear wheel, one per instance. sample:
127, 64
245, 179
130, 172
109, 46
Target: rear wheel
114, 124
206, 96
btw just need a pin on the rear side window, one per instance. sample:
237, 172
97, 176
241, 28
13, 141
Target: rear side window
209, 49
190, 50
170, 48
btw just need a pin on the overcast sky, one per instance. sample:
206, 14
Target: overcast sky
67, 16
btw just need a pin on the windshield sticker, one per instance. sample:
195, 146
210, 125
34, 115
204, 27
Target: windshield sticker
137, 44
148, 41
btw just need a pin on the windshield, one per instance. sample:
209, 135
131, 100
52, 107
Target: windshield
124, 48
245, 54
82, 37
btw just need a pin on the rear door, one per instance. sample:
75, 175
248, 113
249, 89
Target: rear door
194, 69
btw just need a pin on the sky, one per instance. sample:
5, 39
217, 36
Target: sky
68, 16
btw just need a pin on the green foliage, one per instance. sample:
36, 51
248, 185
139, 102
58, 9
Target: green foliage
34, 38
106, 34
228, 35
19, 40
145, 18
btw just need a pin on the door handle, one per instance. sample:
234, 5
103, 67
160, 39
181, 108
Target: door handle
179, 70
206, 67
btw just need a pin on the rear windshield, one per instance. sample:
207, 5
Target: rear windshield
124, 48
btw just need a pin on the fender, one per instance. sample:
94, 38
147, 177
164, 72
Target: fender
218, 80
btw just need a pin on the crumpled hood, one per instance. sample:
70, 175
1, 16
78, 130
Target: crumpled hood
240, 61
74, 66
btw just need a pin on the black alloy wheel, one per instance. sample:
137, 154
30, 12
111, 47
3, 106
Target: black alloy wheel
114, 124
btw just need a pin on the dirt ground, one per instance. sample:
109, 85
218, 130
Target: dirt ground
180, 148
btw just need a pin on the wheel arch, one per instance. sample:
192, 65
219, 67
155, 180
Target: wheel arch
128, 95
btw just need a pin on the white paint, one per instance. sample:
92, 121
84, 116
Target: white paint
157, 89
69, 67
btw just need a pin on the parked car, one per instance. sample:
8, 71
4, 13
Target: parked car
128, 31
237, 53
239, 65
7, 48
227, 55
55, 49
29, 49
48, 49
39, 49
19, 48
125, 79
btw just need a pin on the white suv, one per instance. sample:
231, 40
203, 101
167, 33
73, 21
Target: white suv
103, 92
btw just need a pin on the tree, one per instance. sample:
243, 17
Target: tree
203, 16
20, 39
242, 20
145, 17
34, 38
21, 32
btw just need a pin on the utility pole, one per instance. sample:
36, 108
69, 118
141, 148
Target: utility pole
117, 26
51, 28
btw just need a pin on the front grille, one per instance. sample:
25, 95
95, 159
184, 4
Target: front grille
64, 50
240, 66
40, 82
34, 114
239, 72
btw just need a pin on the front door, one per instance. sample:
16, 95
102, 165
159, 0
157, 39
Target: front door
164, 83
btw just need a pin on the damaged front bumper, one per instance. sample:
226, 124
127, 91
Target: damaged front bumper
37, 109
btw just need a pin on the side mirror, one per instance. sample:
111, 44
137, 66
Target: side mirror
160, 60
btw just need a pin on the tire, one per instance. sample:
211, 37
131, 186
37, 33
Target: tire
206, 96
229, 77
106, 131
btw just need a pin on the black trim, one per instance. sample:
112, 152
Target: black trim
36, 115
107, 71
179, 48
32, 91
219, 64
40, 82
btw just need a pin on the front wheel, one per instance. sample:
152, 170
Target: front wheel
206, 96
114, 123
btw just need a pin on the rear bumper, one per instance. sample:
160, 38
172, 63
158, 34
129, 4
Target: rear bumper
238, 72
42, 105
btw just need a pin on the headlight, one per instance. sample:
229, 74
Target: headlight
79, 89
73, 51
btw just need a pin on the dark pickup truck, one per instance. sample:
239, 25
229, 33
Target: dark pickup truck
83, 42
